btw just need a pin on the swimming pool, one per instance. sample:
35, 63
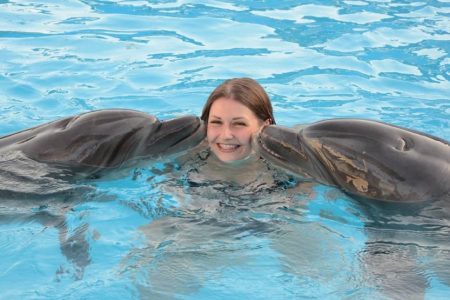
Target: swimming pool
149, 235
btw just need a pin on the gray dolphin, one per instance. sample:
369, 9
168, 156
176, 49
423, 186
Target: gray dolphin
105, 139
363, 157
38, 165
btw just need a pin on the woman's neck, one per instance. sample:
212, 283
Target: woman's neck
241, 172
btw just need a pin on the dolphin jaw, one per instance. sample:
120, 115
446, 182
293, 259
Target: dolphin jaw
175, 136
192, 139
287, 152
266, 149
264, 141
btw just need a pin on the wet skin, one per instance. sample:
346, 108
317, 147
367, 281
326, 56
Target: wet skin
231, 126
365, 158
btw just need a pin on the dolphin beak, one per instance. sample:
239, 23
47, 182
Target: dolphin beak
280, 143
180, 134
184, 123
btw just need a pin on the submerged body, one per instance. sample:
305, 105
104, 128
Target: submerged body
40, 166
363, 157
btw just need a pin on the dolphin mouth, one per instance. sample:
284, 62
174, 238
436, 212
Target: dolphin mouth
265, 149
197, 133
284, 148
280, 144
179, 134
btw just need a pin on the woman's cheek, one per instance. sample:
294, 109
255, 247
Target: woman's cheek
211, 134
247, 135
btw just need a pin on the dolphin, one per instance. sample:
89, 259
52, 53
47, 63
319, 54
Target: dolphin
363, 157
38, 165
105, 139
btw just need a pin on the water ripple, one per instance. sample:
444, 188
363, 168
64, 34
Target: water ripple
384, 60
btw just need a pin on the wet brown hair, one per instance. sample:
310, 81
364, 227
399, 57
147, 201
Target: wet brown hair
245, 91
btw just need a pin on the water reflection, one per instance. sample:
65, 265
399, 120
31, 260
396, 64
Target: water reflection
33, 192
250, 229
385, 60
407, 246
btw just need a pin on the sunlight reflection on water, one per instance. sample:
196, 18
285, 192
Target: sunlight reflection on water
385, 60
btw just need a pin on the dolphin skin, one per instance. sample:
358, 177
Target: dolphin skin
38, 166
363, 157
105, 138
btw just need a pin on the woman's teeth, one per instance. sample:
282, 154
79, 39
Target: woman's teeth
228, 147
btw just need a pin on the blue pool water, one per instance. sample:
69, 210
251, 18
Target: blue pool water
147, 235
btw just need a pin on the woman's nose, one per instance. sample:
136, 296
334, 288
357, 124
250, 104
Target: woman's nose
227, 132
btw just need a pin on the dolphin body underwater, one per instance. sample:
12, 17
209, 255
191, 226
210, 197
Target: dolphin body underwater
364, 158
42, 166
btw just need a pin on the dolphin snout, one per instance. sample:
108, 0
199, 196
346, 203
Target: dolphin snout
181, 127
179, 134
181, 123
284, 148
279, 141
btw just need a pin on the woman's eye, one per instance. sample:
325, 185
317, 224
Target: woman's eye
215, 122
240, 124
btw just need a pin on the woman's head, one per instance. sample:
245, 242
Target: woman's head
246, 91
234, 111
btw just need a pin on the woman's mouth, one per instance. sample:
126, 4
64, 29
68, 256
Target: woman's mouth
227, 147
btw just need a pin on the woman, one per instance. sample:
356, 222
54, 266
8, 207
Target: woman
363, 157
225, 170
108, 139
233, 113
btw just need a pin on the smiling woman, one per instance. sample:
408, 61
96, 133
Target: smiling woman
362, 157
234, 111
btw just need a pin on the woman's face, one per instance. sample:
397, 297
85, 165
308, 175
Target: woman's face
230, 129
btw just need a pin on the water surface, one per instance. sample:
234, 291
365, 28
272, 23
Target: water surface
152, 234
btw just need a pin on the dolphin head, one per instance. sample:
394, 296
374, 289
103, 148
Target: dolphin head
173, 136
105, 138
284, 148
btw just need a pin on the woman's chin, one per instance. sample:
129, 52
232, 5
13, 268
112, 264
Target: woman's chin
229, 158
233, 158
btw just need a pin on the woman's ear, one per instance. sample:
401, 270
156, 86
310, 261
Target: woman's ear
268, 122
